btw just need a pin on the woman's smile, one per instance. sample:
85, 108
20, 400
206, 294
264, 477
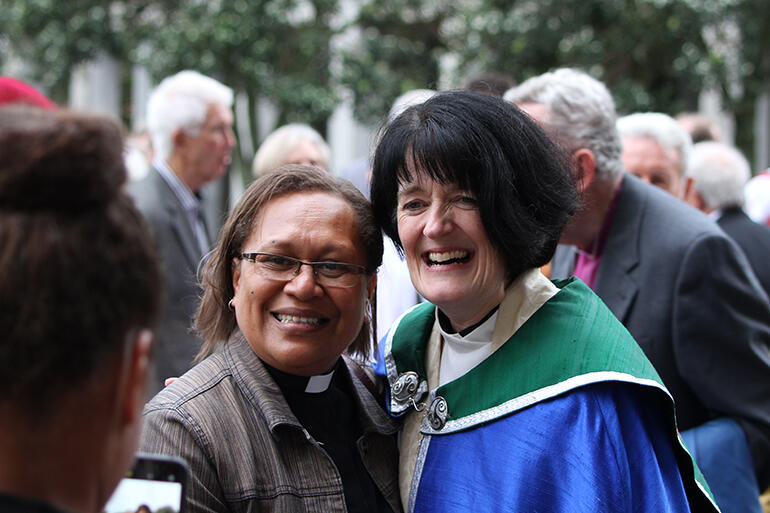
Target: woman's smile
451, 260
299, 321
440, 259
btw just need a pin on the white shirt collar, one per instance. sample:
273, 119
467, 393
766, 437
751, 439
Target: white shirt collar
189, 201
318, 384
522, 299
480, 334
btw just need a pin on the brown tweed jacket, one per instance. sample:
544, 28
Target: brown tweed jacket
246, 450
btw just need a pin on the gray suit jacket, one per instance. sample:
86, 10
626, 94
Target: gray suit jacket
175, 344
686, 293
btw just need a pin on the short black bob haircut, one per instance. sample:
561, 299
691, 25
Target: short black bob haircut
521, 180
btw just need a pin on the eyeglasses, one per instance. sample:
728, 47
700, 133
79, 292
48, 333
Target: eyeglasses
283, 268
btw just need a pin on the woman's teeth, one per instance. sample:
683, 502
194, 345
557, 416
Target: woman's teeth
296, 319
437, 258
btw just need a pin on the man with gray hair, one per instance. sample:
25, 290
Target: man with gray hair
716, 176
683, 289
189, 119
655, 149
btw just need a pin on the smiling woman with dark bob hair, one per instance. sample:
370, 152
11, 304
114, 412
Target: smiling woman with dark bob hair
518, 393
522, 192
274, 417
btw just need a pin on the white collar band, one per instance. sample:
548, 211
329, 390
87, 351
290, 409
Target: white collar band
318, 384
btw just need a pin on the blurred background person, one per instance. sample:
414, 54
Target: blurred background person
138, 155
295, 143
757, 193
279, 416
655, 149
78, 297
716, 176
492, 82
189, 120
700, 127
519, 394
408, 99
682, 288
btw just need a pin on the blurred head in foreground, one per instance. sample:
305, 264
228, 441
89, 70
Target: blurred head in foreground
78, 298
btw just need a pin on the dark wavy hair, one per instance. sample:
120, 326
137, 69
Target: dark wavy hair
78, 270
521, 179
215, 321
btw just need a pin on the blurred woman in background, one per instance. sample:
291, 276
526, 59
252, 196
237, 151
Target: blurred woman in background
295, 143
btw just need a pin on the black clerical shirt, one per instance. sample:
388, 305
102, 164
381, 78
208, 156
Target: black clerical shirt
330, 418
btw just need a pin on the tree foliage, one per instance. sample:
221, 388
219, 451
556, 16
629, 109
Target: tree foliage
651, 53
399, 46
53, 36
753, 66
274, 48
647, 52
278, 49
753, 19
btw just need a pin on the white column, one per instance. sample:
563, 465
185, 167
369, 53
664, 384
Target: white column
710, 104
348, 139
141, 87
95, 86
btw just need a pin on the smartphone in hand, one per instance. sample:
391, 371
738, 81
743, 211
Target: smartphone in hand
155, 484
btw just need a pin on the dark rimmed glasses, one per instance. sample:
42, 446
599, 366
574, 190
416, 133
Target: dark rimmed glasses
284, 268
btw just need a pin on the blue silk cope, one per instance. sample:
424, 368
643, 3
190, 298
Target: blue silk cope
567, 416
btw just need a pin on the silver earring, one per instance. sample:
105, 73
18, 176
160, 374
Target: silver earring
230, 304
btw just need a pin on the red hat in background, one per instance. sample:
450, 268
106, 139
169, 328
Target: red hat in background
16, 91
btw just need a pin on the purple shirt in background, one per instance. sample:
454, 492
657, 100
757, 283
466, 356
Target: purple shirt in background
588, 260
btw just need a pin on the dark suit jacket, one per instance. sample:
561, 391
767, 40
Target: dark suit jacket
686, 293
175, 345
754, 240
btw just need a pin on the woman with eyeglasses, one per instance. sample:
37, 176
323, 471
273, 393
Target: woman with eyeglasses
279, 415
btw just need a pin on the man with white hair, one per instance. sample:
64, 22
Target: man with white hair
716, 176
655, 149
683, 289
189, 119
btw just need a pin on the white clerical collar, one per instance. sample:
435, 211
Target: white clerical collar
480, 334
318, 384
460, 354
522, 299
